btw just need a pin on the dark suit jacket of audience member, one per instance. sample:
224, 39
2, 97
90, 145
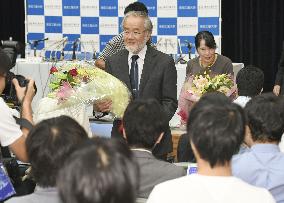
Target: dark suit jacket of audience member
279, 80
154, 171
158, 81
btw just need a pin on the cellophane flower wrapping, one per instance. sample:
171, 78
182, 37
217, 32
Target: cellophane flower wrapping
76, 85
197, 85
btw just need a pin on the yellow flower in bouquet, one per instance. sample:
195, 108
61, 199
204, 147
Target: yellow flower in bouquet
204, 83
195, 86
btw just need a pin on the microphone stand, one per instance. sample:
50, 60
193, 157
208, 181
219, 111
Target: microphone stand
189, 46
35, 43
75, 45
180, 58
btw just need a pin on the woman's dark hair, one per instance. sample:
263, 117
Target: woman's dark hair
100, 171
48, 145
208, 38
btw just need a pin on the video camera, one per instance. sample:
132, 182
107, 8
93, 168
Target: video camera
12, 49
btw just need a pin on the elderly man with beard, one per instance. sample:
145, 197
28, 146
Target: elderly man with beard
147, 73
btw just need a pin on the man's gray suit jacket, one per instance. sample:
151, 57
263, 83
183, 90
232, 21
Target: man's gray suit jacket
154, 171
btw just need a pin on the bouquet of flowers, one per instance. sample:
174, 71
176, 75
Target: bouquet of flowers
76, 85
195, 86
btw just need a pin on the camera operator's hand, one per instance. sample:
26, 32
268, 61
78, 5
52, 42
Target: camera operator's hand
24, 93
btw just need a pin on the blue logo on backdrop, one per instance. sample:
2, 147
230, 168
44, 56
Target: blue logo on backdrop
104, 39
187, 8
71, 8
53, 24
184, 40
120, 28
210, 24
151, 6
167, 26
154, 39
71, 40
35, 7
90, 25
36, 36
109, 8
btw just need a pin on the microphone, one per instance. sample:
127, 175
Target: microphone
94, 57
180, 58
54, 45
83, 47
39, 40
35, 43
63, 46
75, 46
189, 46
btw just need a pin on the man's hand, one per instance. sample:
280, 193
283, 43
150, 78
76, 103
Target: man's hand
276, 90
103, 105
100, 63
24, 93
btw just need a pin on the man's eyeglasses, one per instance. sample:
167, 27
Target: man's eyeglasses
135, 33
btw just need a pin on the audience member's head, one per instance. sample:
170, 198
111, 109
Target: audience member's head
216, 131
184, 150
48, 145
250, 81
207, 37
136, 6
210, 99
100, 171
144, 123
5, 62
265, 118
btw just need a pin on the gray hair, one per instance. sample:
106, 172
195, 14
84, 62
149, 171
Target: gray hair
147, 21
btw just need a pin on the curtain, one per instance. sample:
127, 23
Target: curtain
252, 33
12, 20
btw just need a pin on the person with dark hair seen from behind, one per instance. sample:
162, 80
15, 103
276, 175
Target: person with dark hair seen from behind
263, 164
279, 80
11, 134
49, 143
144, 124
100, 171
184, 150
216, 133
249, 82
116, 44
208, 60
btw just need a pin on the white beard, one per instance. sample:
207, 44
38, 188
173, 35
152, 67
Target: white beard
136, 49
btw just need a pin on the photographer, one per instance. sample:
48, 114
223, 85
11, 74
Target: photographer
11, 134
